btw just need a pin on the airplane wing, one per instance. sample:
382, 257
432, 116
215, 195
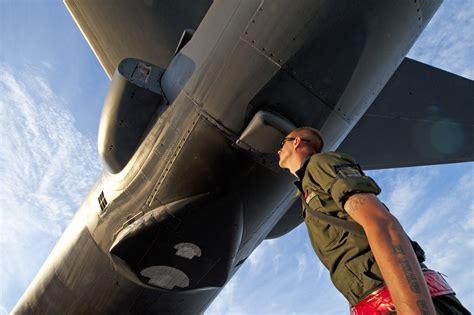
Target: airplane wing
423, 116
147, 30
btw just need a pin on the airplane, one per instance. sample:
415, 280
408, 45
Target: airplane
191, 125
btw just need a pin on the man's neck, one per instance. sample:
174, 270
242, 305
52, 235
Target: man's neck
299, 161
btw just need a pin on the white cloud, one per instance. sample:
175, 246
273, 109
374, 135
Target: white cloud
302, 264
276, 262
440, 211
468, 224
46, 65
46, 166
407, 188
321, 270
404, 189
264, 252
226, 302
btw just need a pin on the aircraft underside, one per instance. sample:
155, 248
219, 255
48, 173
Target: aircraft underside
188, 138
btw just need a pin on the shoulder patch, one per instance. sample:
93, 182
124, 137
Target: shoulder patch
348, 170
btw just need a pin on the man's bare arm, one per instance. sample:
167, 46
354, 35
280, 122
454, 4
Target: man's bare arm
393, 253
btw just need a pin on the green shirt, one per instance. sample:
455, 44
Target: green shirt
326, 180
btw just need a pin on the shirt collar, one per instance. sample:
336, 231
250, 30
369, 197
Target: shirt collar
300, 174
302, 170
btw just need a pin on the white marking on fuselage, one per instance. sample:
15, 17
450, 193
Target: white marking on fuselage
187, 250
166, 277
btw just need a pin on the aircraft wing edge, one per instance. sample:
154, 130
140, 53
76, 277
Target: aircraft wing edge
423, 116
90, 37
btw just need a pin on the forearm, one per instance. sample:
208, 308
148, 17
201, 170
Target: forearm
394, 255
401, 271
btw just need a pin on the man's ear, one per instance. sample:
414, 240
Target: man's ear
296, 142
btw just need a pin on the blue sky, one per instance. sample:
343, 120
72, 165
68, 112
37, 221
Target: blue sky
51, 94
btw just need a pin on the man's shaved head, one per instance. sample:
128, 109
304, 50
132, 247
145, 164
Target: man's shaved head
310, 134
297, 146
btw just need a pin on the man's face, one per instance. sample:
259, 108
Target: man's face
286, 151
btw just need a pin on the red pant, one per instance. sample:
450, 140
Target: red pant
380, 302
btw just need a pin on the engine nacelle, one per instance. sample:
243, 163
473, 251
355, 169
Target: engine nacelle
134, 101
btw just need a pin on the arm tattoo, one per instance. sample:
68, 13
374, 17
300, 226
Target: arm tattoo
423, 307
398, 249
410, 276
407, 268
355, 201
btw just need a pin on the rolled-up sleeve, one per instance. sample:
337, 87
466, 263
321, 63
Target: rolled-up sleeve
340, 176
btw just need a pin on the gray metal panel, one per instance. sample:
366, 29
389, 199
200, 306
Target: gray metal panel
422, 116
72, 271
306, 54
233, 71
148, 30
290, 220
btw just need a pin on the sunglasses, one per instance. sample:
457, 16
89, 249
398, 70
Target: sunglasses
285, 140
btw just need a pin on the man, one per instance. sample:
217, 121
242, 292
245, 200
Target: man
361, 261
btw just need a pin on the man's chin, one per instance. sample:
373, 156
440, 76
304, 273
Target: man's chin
281, 164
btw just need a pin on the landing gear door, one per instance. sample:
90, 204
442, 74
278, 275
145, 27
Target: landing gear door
263, 135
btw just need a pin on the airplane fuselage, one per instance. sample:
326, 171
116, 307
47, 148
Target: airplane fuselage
169, 229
